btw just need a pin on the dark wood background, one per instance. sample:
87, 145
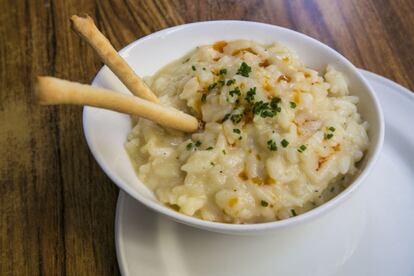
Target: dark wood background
56, 206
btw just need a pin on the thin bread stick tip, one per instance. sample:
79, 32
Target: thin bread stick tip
86, 29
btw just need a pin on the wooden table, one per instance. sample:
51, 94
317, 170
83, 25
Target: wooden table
57, 207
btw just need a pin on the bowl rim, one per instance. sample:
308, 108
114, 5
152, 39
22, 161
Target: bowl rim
240, 228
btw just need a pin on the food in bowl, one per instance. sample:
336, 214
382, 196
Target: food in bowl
279, 138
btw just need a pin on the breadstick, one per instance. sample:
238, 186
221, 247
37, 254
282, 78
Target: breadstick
86, 29
52, 91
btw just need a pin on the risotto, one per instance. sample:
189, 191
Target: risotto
278, 140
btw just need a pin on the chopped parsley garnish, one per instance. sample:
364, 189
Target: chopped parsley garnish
302, 148
292, 105
236, 130
185, 61
284, 143
266, 109
189, 146
230, 82
204, 68
223, 151
197, 144
204, 98
329, 135
211, 86
223, 72
209, 148
250, 95
193, 67
293, 212
271, 145
264, 203
221, 82
259, 106
235, 91
332, 189
212, 164
244, 70
236, 118
274, 104
226, 117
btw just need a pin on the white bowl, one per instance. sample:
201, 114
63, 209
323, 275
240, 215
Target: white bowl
106, 131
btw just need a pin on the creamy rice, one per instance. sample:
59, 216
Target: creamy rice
279, 138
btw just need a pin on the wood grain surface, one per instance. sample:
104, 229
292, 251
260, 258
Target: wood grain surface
56, 206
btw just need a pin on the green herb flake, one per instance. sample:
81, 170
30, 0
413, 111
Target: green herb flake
332, 189
223, 72
274, 104
209, 148
271, 145
193, 67
212, 164
264, 203
204, 98
204, 68
244, 70
189, 146
302, 148
211, 86
197, 144
236, 130
284, 143
226, 117
230, 82
235, 91
236, 118
224, 152
267, 109
293, 212
330, 131
250, 95
258, 107
221, 82
292, 105
185, 61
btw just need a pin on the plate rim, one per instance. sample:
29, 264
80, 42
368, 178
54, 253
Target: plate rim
402, 90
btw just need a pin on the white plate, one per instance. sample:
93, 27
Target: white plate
371, 234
